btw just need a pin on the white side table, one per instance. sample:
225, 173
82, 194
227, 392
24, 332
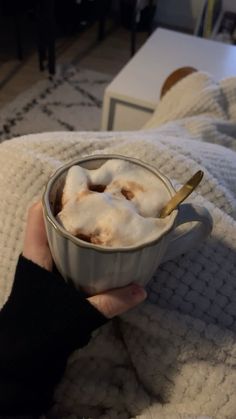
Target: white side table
131, 98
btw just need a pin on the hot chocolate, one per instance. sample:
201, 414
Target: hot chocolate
116, 205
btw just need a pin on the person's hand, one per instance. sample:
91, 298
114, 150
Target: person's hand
110, 303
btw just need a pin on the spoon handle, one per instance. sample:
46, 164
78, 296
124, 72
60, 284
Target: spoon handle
182, 194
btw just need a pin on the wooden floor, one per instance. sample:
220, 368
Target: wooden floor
108, 56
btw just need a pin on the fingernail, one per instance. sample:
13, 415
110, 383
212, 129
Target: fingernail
136, 290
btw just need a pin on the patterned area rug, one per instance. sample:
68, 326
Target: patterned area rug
71, 101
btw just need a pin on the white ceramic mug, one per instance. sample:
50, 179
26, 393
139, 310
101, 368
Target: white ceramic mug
94, 268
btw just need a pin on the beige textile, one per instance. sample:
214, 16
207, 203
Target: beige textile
175, 355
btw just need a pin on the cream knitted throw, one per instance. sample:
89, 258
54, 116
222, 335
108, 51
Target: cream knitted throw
175, 355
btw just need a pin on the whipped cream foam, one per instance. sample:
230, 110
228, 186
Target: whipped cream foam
116, 205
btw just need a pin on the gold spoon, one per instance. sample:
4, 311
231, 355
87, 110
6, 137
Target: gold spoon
182, 194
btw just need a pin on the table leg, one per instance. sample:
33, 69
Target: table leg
150, 17
18, 37
51, 37
133, 28
45, 10
103, 6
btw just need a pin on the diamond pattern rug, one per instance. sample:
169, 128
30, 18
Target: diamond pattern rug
71, 101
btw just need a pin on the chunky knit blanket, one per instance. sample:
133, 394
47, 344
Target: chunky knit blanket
174, 356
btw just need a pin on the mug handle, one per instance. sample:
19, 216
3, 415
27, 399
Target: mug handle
183, 237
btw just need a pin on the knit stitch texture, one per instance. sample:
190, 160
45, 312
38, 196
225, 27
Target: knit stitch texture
173, 357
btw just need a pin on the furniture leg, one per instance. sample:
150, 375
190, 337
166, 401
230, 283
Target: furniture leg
51, 36
19, 51
102, 12
150, 6
133, 28
41, 38
45, 10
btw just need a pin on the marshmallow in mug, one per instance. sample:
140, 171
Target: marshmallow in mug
116, 205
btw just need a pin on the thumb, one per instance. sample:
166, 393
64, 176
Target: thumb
35, 243
118, 301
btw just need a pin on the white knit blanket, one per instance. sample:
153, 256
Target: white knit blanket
175, 355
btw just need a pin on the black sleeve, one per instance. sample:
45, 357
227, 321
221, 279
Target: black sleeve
43, 321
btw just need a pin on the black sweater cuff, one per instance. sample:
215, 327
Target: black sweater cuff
46, 301
42, 322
